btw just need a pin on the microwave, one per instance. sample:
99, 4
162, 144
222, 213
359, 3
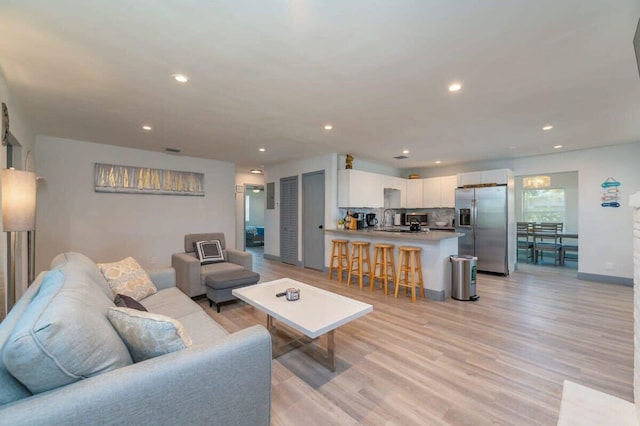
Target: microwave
421, 218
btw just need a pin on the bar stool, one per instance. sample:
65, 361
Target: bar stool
339, 258
409, 266
359, 258
382, 262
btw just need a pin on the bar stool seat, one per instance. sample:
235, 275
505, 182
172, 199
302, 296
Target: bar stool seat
339, 258
409, 271
359, 259
384, 267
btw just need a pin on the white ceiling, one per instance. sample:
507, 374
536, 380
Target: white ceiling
268, 73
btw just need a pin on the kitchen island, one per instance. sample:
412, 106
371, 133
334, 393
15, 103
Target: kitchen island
436, 247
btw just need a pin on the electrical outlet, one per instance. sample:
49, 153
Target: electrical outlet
609, 266
154, 260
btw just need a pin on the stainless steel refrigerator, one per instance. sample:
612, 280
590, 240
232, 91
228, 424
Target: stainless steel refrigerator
482, 215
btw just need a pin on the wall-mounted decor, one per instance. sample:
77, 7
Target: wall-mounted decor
145, 180
610, 193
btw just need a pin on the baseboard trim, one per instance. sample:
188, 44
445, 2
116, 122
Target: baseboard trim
606, 279
271, 257
436, 295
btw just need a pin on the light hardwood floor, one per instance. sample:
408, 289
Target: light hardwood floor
501, 360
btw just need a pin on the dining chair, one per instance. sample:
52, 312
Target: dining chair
524, 231
569, 251
545, 238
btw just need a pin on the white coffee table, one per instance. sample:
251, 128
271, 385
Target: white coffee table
317, 312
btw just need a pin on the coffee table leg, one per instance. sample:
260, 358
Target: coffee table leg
331, 351
328, 358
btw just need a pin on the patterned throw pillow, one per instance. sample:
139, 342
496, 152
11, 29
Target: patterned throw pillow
127, 277
209, 251
148, 335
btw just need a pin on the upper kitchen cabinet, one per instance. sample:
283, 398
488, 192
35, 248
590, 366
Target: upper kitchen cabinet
448, 185
360, 189
430, 192
499, 177
414, 193
439, 191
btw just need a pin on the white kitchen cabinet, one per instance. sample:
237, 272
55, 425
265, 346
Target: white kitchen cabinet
431, 192
439, 191
448, 185
414, 193
498, 176
357, 188
401, 184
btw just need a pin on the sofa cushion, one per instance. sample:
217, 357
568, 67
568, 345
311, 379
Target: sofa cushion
128, 277
232, 279
64, 334
124, 301
209, 252
171, 302
81, 263
148, 335
202, 328
10, 388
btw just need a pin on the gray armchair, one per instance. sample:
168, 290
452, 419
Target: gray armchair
191, 276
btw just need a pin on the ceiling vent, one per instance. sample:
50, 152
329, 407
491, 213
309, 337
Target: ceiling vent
400, 157
172, 150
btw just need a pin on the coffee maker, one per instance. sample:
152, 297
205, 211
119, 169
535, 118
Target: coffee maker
371, 219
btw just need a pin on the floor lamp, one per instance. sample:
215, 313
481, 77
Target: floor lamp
18, 214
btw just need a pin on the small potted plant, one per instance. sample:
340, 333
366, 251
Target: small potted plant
341, 224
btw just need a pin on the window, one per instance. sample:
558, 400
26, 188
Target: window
247, 208
543, 205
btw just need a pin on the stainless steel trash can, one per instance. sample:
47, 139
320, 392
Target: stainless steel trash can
463, 277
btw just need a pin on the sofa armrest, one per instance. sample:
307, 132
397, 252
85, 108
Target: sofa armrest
163, 278
187, 268
241, 258
227, 383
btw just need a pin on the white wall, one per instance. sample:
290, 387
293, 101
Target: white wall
22, 131
368, 166
606, 234
328, 163
108, 227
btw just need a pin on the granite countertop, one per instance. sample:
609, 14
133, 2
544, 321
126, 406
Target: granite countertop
398, 233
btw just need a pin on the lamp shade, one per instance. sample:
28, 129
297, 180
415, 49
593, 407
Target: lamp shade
18, 200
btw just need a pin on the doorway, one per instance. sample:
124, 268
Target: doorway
254, 207
313, 220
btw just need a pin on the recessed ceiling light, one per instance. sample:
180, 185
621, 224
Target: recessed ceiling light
262, 149
181, 78
512, 147
454, 87
547, 127
146, 127
438, 161
328, 127
405, 151
256, 171
557, 146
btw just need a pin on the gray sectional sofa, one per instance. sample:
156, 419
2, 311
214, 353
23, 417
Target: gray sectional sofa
221, 379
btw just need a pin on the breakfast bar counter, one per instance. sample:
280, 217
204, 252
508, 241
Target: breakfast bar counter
436, 247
